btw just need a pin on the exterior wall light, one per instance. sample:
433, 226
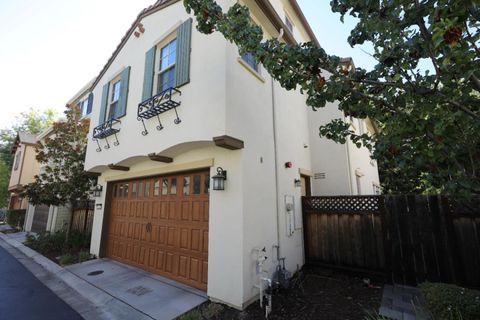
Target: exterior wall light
298, 182
219, 179
97, 191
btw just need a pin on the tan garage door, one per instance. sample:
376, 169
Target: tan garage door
160, 224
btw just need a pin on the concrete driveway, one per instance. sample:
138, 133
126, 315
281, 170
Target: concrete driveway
153, 295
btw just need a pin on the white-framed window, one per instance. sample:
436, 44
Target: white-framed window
84, 107
166, 66
114, 97
288, 23
250, 60
17, 160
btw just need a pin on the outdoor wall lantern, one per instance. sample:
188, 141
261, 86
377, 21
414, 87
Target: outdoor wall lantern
298, 182
97, 191
219, 179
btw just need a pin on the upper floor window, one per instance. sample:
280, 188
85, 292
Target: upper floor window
166, 70
85, 106
115, 96
17, 160
288, 23
250, 60
167, 64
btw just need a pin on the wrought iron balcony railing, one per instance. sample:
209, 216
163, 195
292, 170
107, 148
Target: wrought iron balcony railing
157, 105
104, 131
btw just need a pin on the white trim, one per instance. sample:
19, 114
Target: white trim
167, 33
162, 170
251, 70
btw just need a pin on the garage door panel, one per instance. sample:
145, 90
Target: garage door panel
184, 241
194, 270
195, 240
183, 266
186, 210
205, 241
206, 211
204, 272
162, 228
172, 238
162, 235
155, 210
160, 260
172, 210
147, 210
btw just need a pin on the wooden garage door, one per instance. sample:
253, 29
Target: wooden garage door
40, 218
160, 224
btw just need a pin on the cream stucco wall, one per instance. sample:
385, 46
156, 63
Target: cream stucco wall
27, 167
224, 97
202, 111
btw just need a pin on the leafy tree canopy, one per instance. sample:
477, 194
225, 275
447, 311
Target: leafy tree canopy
428, 119
61, 156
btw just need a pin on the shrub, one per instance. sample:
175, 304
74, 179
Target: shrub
16, 218
67, 259
450, 302
83, 256
47, 243
77, 241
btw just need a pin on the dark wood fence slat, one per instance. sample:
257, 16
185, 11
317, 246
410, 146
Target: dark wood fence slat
410, 238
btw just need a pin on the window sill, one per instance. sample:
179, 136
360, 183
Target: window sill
251, 70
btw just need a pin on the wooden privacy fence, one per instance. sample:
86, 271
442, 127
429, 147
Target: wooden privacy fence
82, 217
411, 239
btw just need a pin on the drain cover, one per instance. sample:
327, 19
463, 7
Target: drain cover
139, 291
95, 273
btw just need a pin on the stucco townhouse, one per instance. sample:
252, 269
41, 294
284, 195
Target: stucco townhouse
202, 158
24, 169
41, 218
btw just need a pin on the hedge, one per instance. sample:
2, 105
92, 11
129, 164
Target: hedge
16, 218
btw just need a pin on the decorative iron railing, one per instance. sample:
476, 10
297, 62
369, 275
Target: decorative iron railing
157, 105
105, 130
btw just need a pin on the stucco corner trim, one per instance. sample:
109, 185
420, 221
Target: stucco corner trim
159, 158
305, 172
92, 174
111, 166
171, 168
228, 142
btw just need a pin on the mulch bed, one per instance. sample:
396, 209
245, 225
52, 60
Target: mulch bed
316, 293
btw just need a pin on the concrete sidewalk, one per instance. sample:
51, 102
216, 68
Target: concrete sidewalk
148, 298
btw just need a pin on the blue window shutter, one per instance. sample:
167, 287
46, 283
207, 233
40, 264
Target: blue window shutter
103, 106
90, 103
149, 73
122, 101
182, 65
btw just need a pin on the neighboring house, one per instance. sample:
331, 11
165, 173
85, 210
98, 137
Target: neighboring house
342, 169
25, 167
41, 218
173, 105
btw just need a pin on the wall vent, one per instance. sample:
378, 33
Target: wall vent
320, 175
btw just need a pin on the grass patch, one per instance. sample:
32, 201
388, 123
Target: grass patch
451, 302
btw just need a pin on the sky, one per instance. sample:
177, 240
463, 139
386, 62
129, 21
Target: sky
49, 49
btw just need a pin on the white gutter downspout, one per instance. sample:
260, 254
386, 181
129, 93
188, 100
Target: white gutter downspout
277, 198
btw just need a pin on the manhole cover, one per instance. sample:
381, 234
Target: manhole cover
95, 273
139, 291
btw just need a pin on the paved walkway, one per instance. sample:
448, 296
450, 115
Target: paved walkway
118, 292
23, 296
155, 296
402, 303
